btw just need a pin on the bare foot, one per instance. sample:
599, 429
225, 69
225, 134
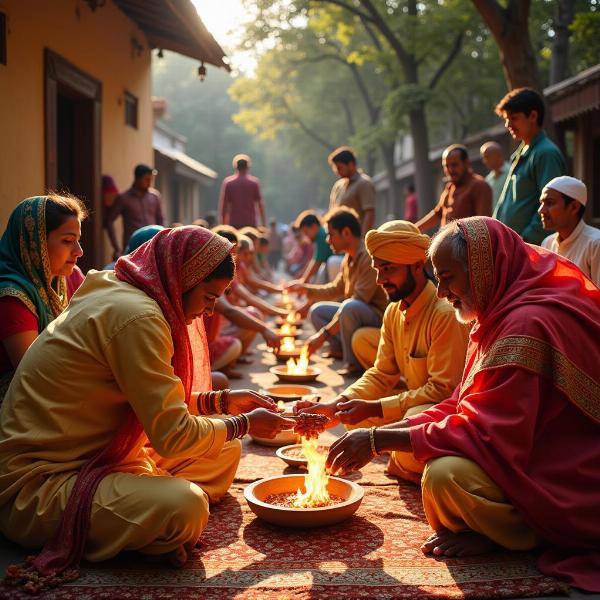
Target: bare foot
464, 543
178, 557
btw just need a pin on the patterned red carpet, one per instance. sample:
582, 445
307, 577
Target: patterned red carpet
373, 555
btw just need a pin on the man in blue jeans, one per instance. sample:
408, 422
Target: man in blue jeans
352, 300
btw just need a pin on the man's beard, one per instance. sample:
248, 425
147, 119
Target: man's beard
465, 313
406, 289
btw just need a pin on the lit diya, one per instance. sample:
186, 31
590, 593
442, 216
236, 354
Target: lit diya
287, 392
287, 330
293, 318
296, 371
312, 500
289, 348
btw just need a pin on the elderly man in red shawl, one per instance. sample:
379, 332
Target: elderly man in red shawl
513, 457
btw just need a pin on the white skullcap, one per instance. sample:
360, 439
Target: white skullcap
569, 186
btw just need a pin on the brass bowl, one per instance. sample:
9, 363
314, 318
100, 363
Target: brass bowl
283, 438
281, 372
292, 455
256, 493
288, 392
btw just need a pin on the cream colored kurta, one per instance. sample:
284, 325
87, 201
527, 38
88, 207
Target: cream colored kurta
111, 349
582, 247
426, 345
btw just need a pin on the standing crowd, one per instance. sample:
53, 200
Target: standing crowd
471, 358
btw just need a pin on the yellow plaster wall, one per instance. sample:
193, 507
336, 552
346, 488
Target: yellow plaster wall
98, 43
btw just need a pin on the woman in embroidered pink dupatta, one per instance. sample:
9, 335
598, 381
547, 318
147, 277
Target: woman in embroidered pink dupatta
171, 269
528, 408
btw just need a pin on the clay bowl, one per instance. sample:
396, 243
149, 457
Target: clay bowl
293, 456
281, 372
256, 493
293, 333
279, 321
285, 355
288, 392
283, 438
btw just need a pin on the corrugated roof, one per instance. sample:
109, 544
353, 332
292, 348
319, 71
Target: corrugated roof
175, 25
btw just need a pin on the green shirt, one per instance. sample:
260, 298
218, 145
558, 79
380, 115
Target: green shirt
496, 182
322, 248
532, 167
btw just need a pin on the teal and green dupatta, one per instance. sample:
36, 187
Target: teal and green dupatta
25, 265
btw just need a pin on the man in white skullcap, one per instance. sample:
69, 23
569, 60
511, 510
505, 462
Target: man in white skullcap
562, 206
420, 340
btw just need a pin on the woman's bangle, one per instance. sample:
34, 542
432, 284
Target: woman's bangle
372, 440
225, 402
247, 419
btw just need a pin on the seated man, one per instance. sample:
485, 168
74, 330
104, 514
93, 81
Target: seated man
562, 207
513, 456
420, 341
364, 301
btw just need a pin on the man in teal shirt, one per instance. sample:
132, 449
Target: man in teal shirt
310, 225
536, 161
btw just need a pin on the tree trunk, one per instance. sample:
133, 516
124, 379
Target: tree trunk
559, 66
423, 179
387, 154
510, 28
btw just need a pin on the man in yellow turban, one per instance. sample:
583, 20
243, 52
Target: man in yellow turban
420, 342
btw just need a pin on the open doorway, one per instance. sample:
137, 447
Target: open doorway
73, 101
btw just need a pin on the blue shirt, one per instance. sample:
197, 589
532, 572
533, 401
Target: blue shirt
532, 167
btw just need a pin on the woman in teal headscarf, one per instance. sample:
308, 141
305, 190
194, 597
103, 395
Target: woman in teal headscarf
38, 251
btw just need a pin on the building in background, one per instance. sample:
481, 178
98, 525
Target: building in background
575, 107
181, 179
75, 95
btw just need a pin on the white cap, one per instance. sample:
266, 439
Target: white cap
569, 186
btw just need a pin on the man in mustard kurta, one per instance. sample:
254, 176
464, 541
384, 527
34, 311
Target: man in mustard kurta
420, 341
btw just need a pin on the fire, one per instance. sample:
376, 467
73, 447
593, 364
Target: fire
287, 329
315, 482
285, 297
299, 367
288, 344
293, 318
281, 405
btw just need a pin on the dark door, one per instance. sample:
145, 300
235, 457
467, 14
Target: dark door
73, 146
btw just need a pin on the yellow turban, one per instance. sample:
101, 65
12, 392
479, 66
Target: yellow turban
397, 242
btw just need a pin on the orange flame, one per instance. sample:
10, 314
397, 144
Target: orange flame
315, 482
299, 367
288, 344
293, 318
287, 329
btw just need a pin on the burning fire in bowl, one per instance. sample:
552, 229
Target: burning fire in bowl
287, 330
297, 371
293, 319
289, 348
311, 500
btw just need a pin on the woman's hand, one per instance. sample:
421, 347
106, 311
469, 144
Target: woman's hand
246, 400
351, 452
355, 411
267, 424
326, 408
271, 338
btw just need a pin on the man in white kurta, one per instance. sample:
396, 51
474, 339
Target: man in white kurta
562, 206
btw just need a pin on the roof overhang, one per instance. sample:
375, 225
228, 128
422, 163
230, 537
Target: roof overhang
575, 96
186, 166
175, 25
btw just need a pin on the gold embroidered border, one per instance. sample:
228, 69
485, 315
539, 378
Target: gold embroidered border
22, 296
201, 264
543, 359
481, 260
